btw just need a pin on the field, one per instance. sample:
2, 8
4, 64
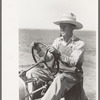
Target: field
26, 36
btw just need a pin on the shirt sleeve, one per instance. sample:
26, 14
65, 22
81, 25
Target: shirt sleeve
76, 54
56, 43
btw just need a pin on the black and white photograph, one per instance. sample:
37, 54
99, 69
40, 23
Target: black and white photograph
57, 50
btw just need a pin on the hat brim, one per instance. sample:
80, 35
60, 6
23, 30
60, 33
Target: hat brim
77, 24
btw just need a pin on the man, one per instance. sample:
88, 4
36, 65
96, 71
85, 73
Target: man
70, 50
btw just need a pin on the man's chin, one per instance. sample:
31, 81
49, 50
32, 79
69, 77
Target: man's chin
63, 34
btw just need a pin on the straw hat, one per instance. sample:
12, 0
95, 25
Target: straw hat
69, 18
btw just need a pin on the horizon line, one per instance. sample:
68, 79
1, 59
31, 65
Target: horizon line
52, 29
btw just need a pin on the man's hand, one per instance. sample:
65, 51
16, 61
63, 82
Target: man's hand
54, 51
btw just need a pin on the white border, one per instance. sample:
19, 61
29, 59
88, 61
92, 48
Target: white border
10, 50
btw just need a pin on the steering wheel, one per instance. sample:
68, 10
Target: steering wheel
53, 65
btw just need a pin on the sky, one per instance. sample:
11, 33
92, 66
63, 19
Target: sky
42, 13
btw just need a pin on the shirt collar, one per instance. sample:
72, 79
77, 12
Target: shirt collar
70, 40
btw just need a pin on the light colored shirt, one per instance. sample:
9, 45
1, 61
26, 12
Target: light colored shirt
71, 51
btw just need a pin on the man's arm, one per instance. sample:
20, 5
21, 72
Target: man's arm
75, 55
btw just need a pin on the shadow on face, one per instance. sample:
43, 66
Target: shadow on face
66, 29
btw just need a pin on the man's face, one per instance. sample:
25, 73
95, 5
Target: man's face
65, 29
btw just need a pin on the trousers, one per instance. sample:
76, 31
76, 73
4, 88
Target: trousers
61, 82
